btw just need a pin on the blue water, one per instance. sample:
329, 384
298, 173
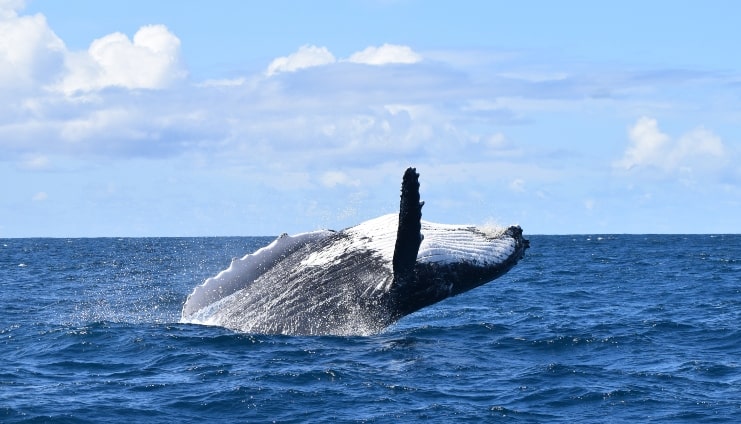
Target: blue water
625, 328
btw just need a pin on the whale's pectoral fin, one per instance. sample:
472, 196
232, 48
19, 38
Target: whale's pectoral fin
409, 235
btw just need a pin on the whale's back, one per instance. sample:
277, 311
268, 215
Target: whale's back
334, 284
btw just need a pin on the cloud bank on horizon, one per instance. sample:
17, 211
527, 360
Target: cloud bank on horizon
95, 136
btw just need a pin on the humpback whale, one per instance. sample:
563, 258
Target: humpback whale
356, 281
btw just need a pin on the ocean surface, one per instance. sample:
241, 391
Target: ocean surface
586, 328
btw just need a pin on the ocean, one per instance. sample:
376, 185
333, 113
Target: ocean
586, 328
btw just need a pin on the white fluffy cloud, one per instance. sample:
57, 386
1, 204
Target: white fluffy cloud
309, 56
151, 60
699, 149
305, 57
648, 145
385, 54
30, 52
8, 8
33, 56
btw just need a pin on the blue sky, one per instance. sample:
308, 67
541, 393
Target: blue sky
138, 118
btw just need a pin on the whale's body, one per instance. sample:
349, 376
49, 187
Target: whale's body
355, 281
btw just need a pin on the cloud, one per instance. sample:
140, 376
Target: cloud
648, 146
35, 163
30, 52
101, 123
151, 61
32, 56
353, 111
9, 8
697, 150
226, 83
517, 185
40, 196
306, 57
385, 54
310, 56
338, 178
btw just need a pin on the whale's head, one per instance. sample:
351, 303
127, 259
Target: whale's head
453, 259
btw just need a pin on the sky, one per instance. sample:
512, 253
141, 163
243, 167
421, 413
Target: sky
231, 118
